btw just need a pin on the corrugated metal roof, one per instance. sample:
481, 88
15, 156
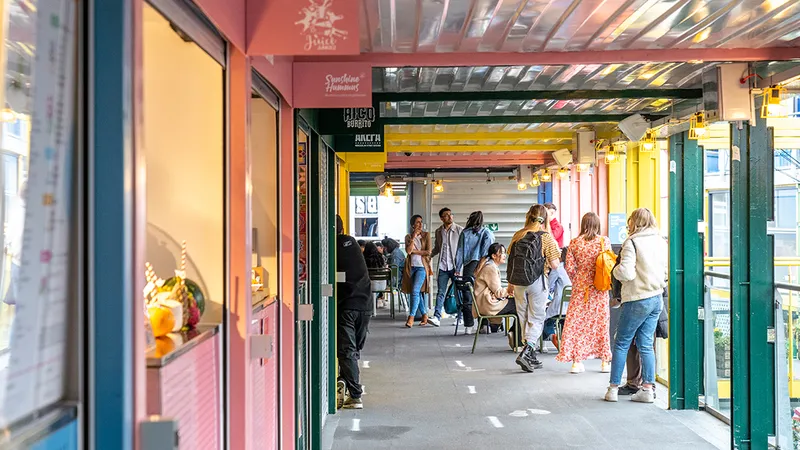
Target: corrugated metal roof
576, 25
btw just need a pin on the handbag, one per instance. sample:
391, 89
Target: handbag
450, 303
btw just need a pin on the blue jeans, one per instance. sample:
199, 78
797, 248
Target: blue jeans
417, 280
637, 319
442, 281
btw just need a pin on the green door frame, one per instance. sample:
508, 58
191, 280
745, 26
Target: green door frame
333, 195
686, 272
752, 284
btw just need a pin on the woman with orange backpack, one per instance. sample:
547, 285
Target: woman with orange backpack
589, 264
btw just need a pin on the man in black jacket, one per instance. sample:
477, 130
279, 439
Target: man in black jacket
354, 309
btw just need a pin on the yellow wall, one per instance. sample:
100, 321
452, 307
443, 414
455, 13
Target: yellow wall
264, 175
365, 161
184, 149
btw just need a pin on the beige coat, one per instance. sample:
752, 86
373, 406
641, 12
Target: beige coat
406, 285
489, 293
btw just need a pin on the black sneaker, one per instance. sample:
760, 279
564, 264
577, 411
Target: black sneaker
524, 360
627, 390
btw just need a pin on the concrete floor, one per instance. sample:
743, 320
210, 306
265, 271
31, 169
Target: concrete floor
425, 389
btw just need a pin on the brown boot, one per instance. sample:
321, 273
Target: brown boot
554, 340
410, 322
424, 320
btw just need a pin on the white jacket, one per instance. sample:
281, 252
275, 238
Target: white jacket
643, 268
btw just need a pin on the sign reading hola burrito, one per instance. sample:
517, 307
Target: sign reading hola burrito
332, 85
305, 27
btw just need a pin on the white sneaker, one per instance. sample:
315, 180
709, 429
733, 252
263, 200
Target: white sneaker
612, 395
434, 321
577, 367
605, 367
643, 396
469, 330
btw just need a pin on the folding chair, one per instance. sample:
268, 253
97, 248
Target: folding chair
481, 318
384, 274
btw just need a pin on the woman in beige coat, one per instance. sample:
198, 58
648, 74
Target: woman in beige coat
490, 296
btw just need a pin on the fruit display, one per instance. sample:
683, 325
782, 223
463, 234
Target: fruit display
175, 304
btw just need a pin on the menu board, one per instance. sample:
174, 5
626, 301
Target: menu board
35, 376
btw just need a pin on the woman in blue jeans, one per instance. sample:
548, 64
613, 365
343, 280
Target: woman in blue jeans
642, 270
417, 268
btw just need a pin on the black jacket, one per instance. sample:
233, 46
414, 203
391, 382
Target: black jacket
356, 291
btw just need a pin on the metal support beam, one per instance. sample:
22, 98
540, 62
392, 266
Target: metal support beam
752, 284
395, 161
498, 136
467, 59
484, 120
472, 148
585, 94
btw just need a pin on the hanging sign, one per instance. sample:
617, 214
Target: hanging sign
371, 142
332, 85
348, 121
305, 27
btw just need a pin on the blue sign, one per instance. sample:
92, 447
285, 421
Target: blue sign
65, 438
617, 228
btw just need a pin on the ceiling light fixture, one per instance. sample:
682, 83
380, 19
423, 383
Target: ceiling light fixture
697, 126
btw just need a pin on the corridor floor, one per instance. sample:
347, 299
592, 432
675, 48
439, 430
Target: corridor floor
423, 389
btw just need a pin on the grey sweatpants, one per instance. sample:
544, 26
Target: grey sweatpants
531, 309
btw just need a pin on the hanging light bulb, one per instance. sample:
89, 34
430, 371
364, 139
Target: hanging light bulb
611, 156
648, 142
438, 186
546, 176
582, 167
387, 190
521, 186
7, 115
535, 181
563, 173
697, 126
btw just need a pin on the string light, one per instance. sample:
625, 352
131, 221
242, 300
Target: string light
771, 106
648, 142
697, 126
546, 176
535, 181
438, 186
563, 173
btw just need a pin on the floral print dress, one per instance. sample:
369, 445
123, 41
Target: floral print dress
585, 334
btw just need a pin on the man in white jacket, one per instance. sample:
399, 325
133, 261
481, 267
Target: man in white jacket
642, 271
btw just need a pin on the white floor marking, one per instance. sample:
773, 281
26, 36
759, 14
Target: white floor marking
495, 421
519, 413
356, 425
540, 412
468, 369
458, 345
471, 389
366, 364
460, 364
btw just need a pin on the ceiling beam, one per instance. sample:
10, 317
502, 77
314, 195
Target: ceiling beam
586, 94
486, 136
469, 59
484, 120
472, 148
465, 162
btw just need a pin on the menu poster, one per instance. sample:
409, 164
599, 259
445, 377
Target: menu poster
35, 376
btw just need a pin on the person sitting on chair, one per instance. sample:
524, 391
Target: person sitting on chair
491, 298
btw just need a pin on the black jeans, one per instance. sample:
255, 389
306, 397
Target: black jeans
351, 334
466, 298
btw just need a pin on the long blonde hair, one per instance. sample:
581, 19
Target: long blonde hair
641, 219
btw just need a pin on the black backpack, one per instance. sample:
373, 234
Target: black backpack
526, 263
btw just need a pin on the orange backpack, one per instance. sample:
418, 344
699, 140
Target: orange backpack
603, 266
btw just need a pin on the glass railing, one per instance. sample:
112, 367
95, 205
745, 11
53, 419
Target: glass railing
717, 362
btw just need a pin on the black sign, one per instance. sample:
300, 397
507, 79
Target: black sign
366, 142
349, 121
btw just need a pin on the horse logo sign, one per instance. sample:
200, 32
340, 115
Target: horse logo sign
319, 26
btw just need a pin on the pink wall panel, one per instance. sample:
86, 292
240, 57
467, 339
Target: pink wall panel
264, 377
278, 72
190, 391
229, 17
287, 294
601, 190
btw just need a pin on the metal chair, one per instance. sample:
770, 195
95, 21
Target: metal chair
461, 286
383, 274
566, 295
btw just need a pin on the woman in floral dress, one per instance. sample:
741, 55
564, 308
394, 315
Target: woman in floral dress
585, 332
